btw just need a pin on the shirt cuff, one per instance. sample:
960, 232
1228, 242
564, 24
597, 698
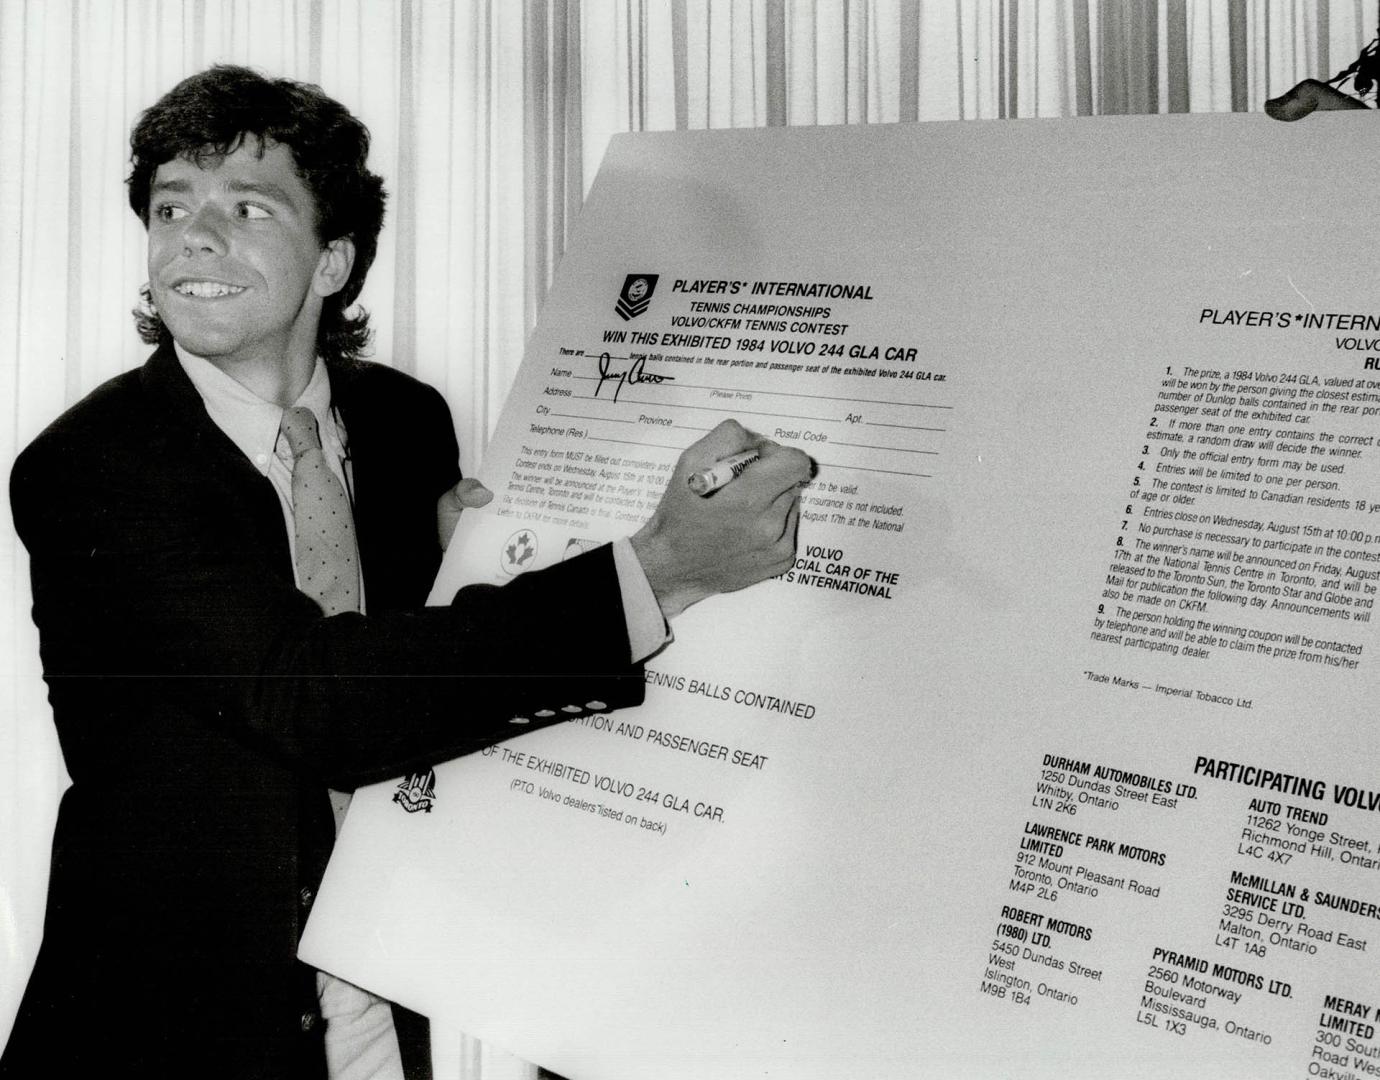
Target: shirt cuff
647, 629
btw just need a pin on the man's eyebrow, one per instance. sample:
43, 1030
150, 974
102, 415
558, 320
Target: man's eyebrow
263, 188
177, 187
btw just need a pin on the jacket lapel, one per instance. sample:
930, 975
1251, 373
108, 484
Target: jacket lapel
367, 450
393, 462
188, 429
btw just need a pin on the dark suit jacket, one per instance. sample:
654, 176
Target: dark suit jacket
204, 705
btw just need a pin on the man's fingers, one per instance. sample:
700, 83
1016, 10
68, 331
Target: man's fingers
727, 438
778, 469
733, 536
790, 524
470, 494
796, 467
781, 470
1307, 96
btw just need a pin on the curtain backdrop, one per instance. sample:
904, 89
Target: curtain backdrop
489, 119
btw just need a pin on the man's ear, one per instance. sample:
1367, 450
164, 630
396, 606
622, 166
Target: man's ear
333, 268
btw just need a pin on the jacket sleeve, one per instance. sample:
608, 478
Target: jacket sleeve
153, 591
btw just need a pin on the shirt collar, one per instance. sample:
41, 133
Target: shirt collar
248, 420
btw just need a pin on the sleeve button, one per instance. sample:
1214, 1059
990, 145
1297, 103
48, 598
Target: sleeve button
309, 1020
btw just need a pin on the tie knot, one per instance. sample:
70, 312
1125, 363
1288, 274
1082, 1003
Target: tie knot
299, 428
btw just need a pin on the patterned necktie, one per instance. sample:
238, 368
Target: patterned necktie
328, 572
327, 565
323, 525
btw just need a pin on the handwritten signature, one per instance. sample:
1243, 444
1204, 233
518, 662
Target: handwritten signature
634, 375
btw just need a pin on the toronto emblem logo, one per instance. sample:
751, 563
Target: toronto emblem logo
416, 791
636, 295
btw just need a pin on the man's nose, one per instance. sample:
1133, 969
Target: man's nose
206, 230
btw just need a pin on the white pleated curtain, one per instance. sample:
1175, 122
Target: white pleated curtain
489, 119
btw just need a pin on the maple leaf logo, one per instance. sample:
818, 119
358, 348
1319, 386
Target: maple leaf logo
521, 549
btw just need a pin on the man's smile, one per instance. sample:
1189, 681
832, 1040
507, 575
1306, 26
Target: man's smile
206, 289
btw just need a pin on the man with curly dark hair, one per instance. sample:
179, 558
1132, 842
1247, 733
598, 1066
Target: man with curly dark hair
208, 118
208, 690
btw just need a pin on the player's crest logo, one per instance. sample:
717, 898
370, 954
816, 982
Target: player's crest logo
519, 552
636, 295
416, 791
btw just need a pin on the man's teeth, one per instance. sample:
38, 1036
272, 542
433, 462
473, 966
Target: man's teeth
207, 289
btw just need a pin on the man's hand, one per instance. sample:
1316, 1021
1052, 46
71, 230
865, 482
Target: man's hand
467, 495
1310, 96
695, 546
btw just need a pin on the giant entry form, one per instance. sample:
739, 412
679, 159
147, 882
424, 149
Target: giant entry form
1054, 755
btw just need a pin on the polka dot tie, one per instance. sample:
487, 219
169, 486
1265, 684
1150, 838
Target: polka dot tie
323, 525
327, 565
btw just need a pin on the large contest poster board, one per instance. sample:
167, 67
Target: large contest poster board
1053, 755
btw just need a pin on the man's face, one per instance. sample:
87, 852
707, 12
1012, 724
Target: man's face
236, 268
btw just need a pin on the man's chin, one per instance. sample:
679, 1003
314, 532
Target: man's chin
207, 346
200, 337
223, 354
